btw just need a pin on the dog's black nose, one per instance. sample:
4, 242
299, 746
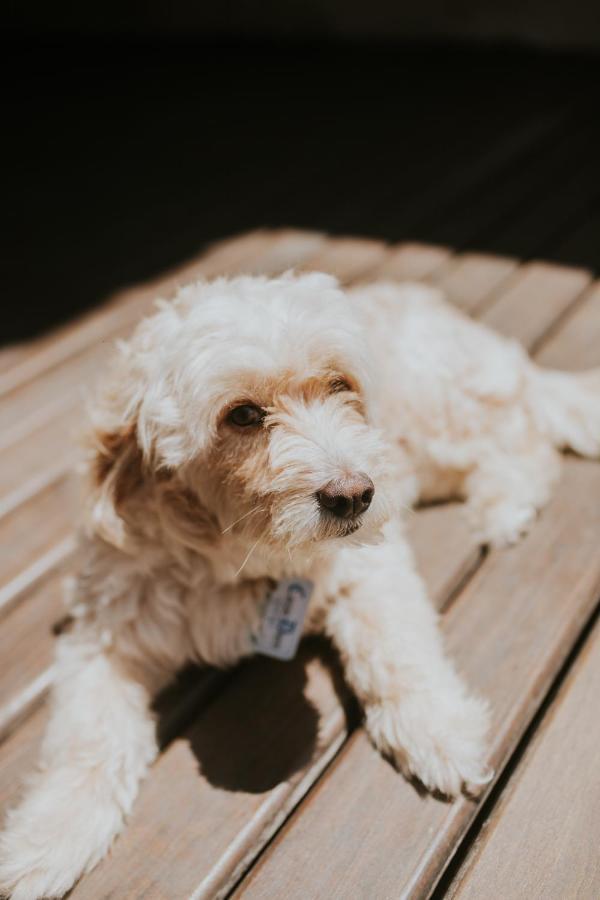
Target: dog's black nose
347, 497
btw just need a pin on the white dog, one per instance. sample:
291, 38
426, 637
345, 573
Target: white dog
255, 433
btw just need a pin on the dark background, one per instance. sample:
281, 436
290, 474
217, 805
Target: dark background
135, 133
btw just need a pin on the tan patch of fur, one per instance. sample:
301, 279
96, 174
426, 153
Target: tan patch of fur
118, 454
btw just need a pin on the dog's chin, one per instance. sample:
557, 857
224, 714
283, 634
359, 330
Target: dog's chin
349, 528
363, 530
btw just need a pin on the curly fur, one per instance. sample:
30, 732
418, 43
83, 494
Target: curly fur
191, 519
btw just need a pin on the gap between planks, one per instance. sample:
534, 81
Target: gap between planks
560, 856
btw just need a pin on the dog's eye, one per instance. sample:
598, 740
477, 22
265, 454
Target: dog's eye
246, 415
337, 385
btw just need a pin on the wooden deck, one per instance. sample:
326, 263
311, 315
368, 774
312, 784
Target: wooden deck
267, 786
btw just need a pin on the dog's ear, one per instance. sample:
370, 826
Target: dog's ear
117, 470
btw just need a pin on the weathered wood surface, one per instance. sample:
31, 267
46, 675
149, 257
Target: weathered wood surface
541, 840
277, 751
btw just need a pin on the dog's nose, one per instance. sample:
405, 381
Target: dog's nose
347, 497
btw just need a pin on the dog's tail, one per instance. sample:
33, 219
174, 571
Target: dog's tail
566, 406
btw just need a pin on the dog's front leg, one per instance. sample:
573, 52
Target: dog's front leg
418, 711
99, 744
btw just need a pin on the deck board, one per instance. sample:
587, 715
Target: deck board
551, 799
276, 752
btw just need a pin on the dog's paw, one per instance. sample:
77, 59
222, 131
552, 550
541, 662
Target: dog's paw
440, 741
504, 524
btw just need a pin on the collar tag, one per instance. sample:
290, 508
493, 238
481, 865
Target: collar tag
283, 618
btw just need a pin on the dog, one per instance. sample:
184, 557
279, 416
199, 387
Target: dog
257, 440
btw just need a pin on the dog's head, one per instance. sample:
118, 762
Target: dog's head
251, 398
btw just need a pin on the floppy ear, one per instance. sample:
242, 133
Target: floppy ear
117, 473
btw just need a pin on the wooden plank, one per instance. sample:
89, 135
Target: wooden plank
475, 279
575, 345
48, 451
510, 629
414, 261
219, 821
39, 567
26, 644
348, 258
543, 294
550, 798
10, 354
33, 528
445, 527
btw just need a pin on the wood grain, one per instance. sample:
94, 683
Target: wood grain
413, 261
26, 644
575, 345
348, 258
543, 294
474, 280
541, 839
35, 526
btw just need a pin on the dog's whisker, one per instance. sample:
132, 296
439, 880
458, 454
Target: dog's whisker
249, 554
241, 518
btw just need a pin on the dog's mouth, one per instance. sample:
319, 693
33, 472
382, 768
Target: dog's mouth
351, 528
341, 528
